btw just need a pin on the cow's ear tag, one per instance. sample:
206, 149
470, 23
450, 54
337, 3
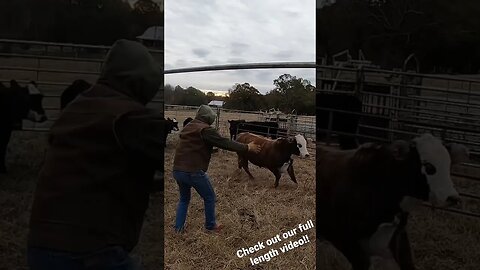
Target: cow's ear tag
400, 149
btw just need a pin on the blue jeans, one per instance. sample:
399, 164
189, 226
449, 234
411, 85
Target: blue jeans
110, 258
201, 183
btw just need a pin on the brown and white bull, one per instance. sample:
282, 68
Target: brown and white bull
276, 155
364, 196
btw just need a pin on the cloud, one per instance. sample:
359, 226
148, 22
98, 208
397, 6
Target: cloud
283, 54
201, 52
235, 60
238, 48
200, 33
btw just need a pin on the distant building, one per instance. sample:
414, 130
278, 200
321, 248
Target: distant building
216, 103
152, 37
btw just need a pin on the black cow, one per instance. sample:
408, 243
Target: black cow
169, 126
188, 120
346, 122
266, 129
364, 196
17, 103
73, 91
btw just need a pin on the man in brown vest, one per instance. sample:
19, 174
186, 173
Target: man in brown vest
191, 161
93, 189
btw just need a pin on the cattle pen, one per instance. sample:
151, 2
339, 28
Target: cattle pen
53, 66
247, 208
251, 210
290, 124
401, 104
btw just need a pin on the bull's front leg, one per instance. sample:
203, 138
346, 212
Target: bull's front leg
277, 174
400, 247
243, 163
291, 172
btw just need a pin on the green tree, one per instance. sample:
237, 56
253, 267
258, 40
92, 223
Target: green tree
146, 7
147, 13
169, 93
77, 21
273, 100
444, 37
297, 94
179, 95
210, 96
244, 97
194, 97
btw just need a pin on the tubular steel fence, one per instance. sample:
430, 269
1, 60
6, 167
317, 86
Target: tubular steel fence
400, 105
13, 46
54, 66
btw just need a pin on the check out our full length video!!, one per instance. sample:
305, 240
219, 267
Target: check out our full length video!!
279, 244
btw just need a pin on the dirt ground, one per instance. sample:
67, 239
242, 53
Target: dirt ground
251, 210
25, 156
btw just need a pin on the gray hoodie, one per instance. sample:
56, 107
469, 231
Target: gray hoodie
130, 68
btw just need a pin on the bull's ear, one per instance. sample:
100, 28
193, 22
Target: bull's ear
229, 121
458, 153
400, 149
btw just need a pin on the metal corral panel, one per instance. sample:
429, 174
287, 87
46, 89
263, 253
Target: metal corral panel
399, 105
54, 71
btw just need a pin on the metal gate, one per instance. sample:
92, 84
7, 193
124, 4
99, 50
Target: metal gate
400, 105
54, 66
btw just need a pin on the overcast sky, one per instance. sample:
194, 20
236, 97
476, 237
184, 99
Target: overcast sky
213, 32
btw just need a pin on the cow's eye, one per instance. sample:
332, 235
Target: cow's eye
429, 168
299, 145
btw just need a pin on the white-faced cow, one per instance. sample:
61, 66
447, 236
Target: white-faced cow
17, 103
364, 195
276, 155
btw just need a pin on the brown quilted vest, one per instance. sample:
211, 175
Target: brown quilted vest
90, 193
192, 153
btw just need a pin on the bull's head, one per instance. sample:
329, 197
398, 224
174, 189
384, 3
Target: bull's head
298, 146
430, 168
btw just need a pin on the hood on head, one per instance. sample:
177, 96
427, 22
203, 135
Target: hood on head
130, 69
206, 114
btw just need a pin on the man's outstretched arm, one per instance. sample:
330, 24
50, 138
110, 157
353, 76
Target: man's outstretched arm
142, 133
212, 137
